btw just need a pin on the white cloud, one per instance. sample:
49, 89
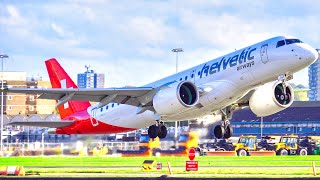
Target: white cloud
224, 31
13, 12
153, 52
58, 29
12, 17
124, 38
146, 29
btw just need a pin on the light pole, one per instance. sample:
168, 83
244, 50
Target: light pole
176, 50
2, 56
261, 127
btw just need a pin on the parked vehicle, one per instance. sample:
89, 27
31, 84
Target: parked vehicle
289, 145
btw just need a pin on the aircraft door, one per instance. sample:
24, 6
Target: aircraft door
264, 53
93, 119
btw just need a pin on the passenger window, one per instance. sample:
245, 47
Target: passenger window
112, 105
180, 79
101, 109
280, 43
186, 78
107, 107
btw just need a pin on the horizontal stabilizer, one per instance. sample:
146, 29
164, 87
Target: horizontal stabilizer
42, 123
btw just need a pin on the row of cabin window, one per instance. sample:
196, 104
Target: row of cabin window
186, 78
107, 107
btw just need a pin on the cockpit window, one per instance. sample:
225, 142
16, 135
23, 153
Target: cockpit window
288, 41
280, 43
291, 41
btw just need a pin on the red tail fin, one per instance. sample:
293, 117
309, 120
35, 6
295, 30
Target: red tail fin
60, 79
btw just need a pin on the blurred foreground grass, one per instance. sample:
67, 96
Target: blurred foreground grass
175, 161
209, 167
212, 172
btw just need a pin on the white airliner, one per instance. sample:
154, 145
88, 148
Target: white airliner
255, 76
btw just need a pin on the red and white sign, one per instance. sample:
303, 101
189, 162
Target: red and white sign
192, 154
159, 166
191, 165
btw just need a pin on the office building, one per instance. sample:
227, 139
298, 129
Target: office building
21, 103
314, 80
90, 79
45, 106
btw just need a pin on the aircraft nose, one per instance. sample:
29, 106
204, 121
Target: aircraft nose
311, 54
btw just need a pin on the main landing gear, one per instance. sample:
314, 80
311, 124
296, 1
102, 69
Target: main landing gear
282, 92
224, 130
157, 130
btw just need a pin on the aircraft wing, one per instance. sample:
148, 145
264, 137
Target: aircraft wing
244, 101
125, 95
41, 123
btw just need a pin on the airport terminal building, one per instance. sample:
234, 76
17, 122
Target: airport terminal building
302, 118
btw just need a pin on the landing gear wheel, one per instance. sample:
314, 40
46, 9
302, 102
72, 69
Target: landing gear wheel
153, 131
163, 132
225, 123
228, 132
219, 131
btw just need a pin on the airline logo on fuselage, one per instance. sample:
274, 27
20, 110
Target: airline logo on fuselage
225, 62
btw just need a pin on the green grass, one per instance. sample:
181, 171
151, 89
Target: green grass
208, 166
175, 161
177, 172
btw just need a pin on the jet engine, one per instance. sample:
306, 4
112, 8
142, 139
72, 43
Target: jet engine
271, 98
175, 98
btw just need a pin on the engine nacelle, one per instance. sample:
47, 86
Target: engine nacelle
271, 98
175, 98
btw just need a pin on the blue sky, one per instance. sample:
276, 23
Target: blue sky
131, 41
